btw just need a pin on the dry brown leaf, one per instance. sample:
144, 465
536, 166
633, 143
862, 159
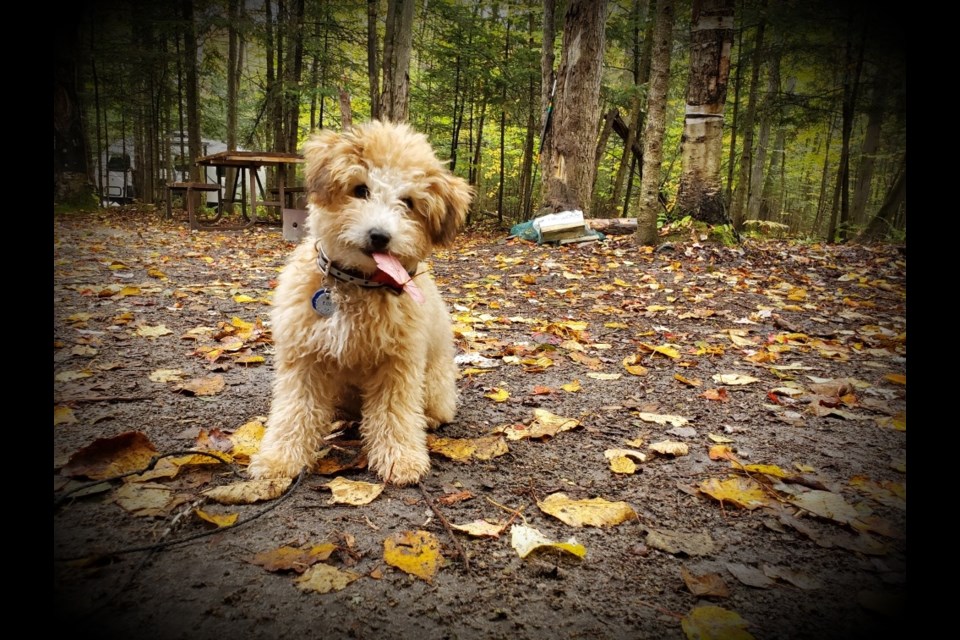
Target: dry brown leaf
110, 457
704, 585
292, 558
206, 386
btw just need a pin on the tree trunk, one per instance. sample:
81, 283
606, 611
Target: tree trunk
735, 121
526, 169
294, 75
711, 36
373, 59
503, 121
547, 80
757, 175
641, 76
569, 172
649, 205
72, 184
851, 82
192, 82
741, 195
884, 220
397, 48
868, 151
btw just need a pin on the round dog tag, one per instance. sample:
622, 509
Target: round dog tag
323, 303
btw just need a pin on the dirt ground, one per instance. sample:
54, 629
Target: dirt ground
796, 318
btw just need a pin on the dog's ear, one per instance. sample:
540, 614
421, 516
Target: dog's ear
331, 158
454, 195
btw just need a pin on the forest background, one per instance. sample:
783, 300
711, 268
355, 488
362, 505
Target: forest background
812, 99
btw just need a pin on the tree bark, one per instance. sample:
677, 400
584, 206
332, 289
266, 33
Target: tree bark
840, 215
192, 88
569, 172
72, 184
397, 48
373, 58
868, 151
711, 36
641, 76
649, 205
741, 194
882, 222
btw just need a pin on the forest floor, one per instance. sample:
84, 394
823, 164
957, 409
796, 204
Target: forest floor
759, 392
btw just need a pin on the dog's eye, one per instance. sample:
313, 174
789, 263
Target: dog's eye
361, 191
408, 203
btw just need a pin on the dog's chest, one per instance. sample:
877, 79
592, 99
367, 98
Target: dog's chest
362, 328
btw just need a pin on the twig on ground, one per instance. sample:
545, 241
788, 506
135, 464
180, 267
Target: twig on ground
446, 525
515, 512
171, 543
150, 466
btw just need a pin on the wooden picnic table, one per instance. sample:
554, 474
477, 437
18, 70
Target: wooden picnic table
248, 164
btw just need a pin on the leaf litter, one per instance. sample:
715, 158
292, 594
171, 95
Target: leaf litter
567, 393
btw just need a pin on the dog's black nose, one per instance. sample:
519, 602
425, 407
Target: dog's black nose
379, 239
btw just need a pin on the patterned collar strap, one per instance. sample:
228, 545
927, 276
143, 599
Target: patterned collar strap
327, 268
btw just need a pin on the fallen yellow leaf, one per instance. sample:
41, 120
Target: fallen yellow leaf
670, 448
498, 395
415, 552
323, 578
481, 528
743, 492
593, 512
248, 491
221, 520
63, 415
484, 448
206, 386
146, 331
144, 499
633, 366
246, 440
572, 387
353, 492
525, 540
677, 421
709, 622
734, 379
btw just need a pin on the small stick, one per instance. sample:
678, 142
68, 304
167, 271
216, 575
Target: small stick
446, 525
515, 512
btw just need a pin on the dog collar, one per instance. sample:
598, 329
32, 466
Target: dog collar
328, 268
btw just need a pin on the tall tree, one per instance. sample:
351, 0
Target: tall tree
711, 39
397, 47
192, 81
881, 224
71, 176
569, 171
373, 57
642, 51
655, 124
741, 195
853, 64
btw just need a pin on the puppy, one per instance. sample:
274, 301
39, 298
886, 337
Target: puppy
357, 320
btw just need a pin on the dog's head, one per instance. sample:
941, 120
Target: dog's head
379, 188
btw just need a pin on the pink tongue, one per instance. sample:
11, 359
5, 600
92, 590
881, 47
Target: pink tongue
396, 275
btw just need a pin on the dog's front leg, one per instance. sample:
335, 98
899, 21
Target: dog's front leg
394, 426
301, 413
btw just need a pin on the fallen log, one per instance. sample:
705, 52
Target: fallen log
613, 226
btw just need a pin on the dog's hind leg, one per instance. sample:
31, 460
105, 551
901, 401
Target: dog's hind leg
301, 413
440, 390
394, 426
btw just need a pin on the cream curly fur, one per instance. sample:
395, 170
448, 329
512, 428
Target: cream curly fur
382, 352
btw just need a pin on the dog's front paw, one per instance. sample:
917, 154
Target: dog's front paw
406, 469
263, 466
